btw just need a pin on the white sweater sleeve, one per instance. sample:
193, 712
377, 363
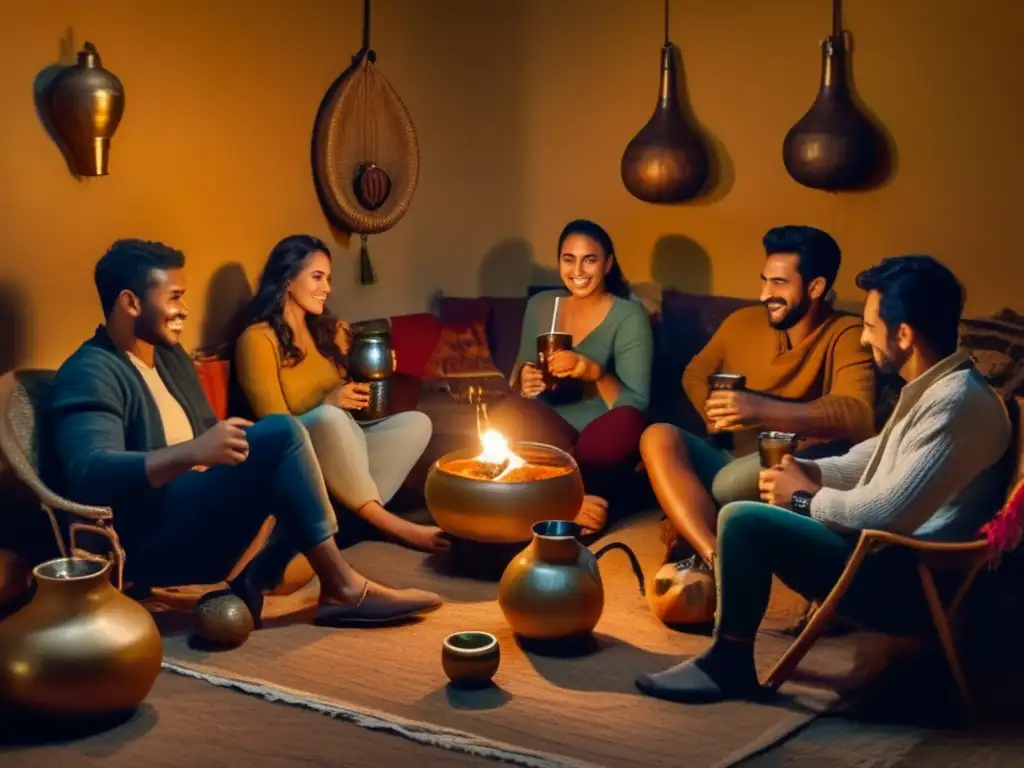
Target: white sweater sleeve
844, 472
951, 440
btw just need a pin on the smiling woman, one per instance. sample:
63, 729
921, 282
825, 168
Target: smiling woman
589, 399
293, 358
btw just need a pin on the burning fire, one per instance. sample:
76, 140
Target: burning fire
496, 452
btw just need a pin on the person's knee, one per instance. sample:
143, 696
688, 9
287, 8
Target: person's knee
658, 439
742, 519
276, 434
612, 440
419, 427
734, 484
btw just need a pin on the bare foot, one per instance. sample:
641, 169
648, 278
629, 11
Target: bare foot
593, 514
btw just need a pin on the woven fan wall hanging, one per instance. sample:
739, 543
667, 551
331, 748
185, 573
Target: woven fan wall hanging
366, 159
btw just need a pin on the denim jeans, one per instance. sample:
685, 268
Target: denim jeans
206, 520
757, 541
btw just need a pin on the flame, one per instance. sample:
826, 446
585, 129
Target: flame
496, 450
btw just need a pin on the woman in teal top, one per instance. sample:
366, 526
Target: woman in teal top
599, 389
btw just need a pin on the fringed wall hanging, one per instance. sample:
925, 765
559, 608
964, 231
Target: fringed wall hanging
366, 158
667, 161
834, 146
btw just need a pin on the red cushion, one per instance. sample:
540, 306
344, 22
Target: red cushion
214, 376
414, 338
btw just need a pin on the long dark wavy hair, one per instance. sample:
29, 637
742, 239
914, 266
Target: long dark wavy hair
286, 261
614, 282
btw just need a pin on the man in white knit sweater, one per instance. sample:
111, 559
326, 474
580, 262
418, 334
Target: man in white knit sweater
936, 471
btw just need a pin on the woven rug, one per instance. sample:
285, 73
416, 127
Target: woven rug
542, 710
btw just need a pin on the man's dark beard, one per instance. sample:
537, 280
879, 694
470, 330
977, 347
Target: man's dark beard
795, 314
145, 328
890, 367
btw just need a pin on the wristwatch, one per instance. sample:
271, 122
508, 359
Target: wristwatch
801, 502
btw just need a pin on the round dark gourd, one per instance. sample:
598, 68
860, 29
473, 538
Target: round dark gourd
834, 146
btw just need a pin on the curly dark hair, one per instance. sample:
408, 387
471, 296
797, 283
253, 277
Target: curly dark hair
128, 265
285, 262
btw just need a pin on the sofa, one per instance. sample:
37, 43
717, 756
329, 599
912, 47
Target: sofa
482, 334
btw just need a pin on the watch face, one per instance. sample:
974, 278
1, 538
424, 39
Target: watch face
801, 501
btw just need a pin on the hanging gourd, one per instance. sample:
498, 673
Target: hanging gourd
834, 146
84, 105
366, 158
667, 161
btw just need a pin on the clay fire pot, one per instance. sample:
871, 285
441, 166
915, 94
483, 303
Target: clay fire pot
552, 590
80, 647
497, 512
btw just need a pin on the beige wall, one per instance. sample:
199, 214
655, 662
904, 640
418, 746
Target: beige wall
942, 75
523, 110
212, 155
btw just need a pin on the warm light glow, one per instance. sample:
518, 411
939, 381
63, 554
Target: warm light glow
496, 450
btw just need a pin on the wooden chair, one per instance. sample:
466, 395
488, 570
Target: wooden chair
22, 396
966, 558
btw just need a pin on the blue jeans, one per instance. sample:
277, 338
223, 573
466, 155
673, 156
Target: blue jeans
757, 541
206, 520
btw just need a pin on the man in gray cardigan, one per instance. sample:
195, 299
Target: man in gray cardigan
129, 427
936, 471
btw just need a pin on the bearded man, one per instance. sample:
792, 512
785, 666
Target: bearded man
806, 372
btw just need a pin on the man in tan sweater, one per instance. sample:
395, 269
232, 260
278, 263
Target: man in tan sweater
806, 372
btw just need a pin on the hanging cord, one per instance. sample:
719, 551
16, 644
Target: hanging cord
666, 24
371, 54
369, 144
837, 18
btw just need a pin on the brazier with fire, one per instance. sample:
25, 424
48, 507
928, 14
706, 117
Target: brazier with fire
497, 495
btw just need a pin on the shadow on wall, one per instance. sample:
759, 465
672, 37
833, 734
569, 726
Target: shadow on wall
66, 57
13, 327
680, 263
508, 268
226, 297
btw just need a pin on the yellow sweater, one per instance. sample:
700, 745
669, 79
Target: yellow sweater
829, 369
270, 387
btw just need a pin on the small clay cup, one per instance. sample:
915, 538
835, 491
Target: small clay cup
470, 658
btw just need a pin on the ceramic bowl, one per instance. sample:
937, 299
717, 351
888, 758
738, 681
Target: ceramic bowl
470, 658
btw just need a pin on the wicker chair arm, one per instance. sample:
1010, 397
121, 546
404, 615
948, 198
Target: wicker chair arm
24, 472
894, 539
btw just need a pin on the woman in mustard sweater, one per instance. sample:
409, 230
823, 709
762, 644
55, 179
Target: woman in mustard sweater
291, 358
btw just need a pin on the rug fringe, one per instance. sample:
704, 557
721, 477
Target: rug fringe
413, 730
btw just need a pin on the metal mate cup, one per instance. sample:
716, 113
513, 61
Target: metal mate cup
773, 447
547, 345
727, 381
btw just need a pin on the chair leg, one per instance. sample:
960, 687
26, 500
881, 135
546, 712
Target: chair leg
818, 622
791, 659
945, 636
